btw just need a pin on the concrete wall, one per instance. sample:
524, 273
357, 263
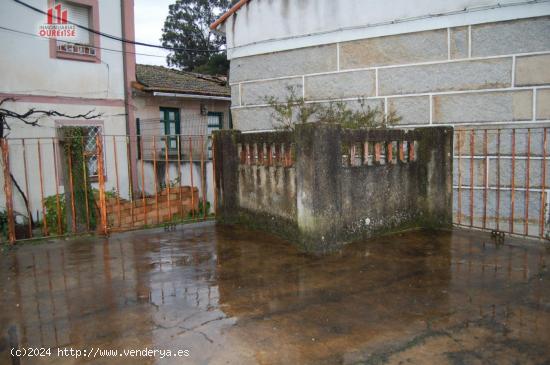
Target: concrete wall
311, 197
493, 75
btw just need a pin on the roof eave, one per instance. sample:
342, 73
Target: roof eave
184, 91
191, 96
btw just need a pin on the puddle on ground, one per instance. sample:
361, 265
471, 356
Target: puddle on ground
232, 296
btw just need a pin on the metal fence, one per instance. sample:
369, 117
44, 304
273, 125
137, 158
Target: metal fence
500, 180
97, 183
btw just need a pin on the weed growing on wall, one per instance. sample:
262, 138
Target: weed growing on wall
294, 110
364, 116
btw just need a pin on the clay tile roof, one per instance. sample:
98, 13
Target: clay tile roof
159, 78
228, 13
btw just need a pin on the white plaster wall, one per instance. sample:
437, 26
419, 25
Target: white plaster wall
113, 123
27, 68
269, 26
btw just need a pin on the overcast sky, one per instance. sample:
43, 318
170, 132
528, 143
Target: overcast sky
149, 20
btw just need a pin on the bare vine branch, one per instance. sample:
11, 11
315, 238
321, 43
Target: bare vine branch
33, 116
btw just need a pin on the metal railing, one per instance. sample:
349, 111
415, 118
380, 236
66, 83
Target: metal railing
500, 180
59, 186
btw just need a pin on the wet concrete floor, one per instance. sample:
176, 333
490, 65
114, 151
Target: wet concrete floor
232, 296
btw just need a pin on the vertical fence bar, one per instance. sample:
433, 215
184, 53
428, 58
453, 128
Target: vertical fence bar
71, 186
167, 178
459, 197
191, 175
472, 151
7, 189
129, 163
180, 196
44, 220
527, 167
155, 178
57, 202
513, 182
498, 181
485, 178
101, 175
85, 182
542, 186
143, 199
119, 215
203, 178
29, 211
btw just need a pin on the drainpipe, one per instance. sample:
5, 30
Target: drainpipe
129, 62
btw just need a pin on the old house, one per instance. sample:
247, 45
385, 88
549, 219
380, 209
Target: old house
49, 63
176, 113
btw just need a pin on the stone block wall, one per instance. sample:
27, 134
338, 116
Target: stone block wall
496, 73
321, 185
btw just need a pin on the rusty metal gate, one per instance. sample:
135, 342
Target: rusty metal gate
93, 183
500, 180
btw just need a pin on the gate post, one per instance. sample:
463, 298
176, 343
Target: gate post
101, 178
7, 189
214, 174
226, 174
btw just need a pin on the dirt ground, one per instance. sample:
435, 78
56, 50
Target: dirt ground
232, 296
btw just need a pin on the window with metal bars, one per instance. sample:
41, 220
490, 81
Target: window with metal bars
90, 150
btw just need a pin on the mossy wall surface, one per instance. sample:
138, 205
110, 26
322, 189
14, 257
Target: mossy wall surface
320, 202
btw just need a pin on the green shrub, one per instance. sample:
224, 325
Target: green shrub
294, 110
199, 211
50, 203
4, 225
